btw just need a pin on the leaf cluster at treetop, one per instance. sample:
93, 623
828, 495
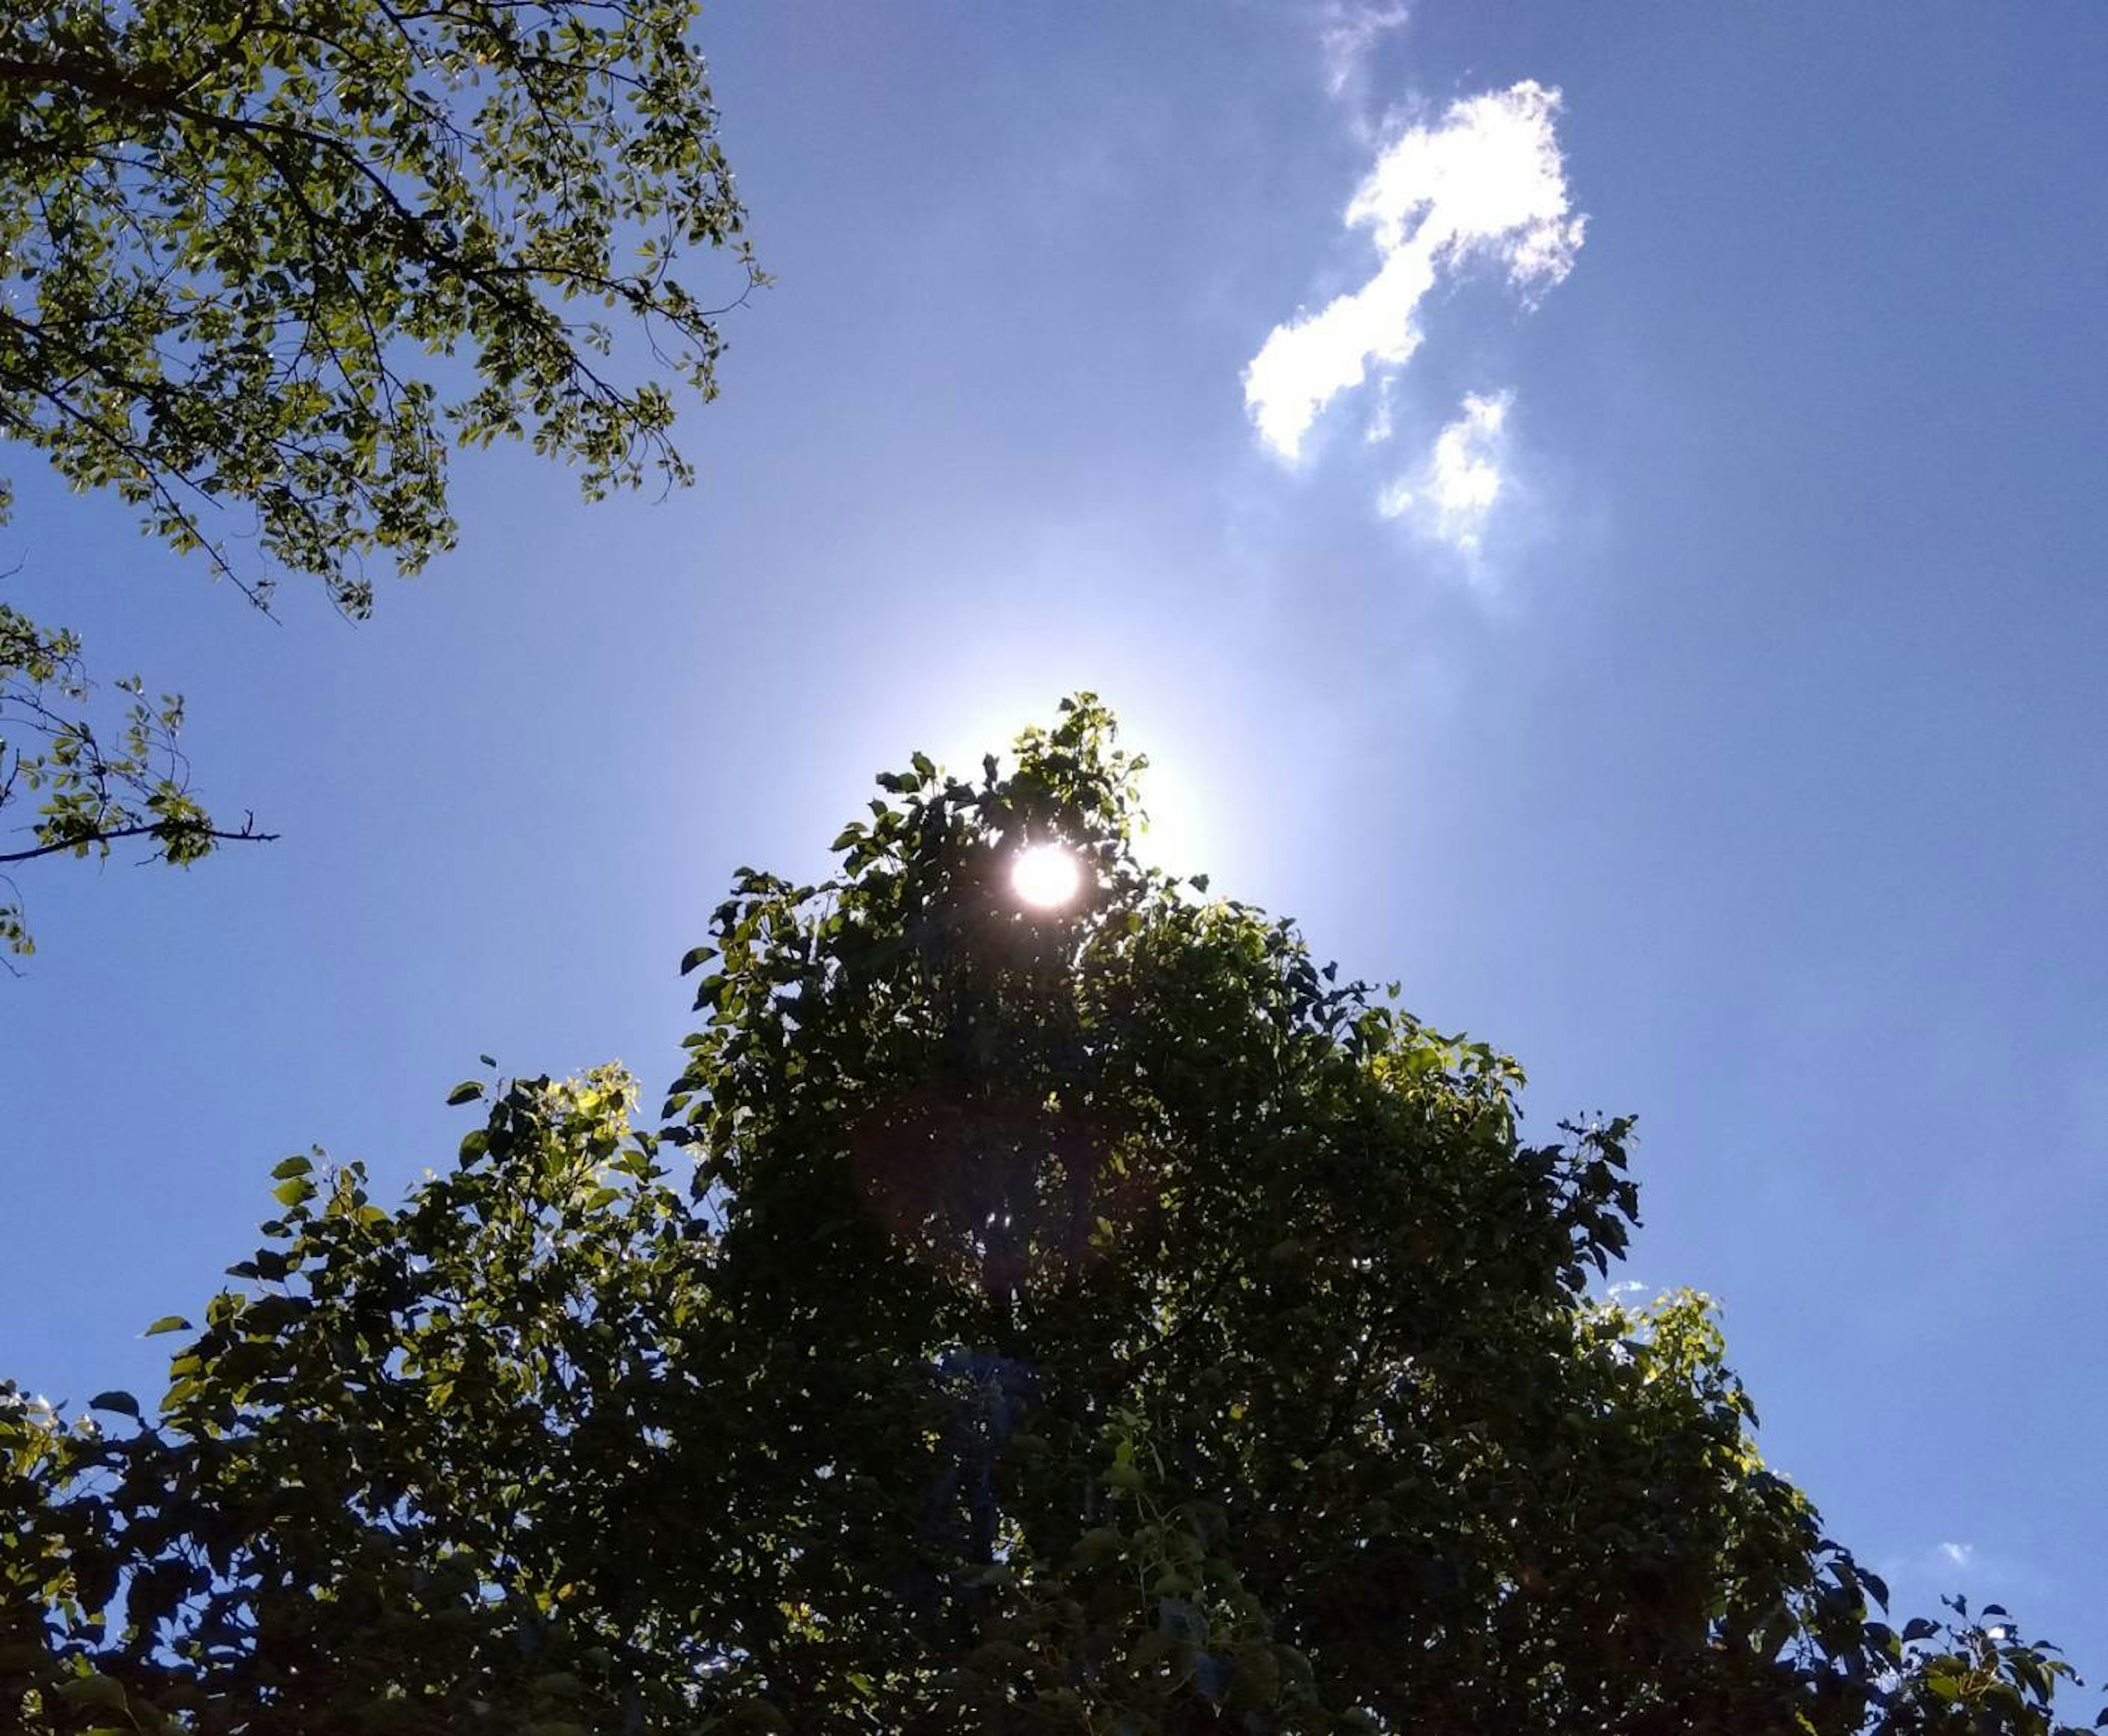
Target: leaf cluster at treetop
1085, 1317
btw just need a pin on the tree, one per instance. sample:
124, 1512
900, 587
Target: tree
277, 259
1090, 1318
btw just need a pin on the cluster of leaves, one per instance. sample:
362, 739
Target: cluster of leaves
94, 790
1099, 1319
241, 241
227, 224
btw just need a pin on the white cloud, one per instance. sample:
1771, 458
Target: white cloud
1485, 185
1349, 33
1956, 1554
1464, 477
1380, 428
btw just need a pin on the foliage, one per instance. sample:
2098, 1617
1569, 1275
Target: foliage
280, 257
96, 791
1095, 1319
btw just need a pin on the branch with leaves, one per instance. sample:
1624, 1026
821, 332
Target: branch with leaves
264, 265
92, 789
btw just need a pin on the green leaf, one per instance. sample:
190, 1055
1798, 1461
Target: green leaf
293, 1166
296, 1191
101, 1691
695, 956
272, 1313
123, 1402
168, 1323
466, 1092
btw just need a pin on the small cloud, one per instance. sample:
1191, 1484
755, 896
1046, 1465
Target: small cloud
1380, 428
1956, 1554
1350, 33
1465, 474
1395, 501
1486, 185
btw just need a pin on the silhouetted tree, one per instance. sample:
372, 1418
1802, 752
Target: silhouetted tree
1093, 1318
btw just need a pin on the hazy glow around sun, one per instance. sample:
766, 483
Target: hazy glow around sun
1047, 875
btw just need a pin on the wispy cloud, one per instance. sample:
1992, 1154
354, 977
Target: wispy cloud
1380, 427
1464, 477
1922, 1575
1349, 34
1485, 186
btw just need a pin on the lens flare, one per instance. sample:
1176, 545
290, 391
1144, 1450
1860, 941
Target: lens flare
1046, 876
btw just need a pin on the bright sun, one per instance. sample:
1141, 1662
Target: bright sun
1047, 875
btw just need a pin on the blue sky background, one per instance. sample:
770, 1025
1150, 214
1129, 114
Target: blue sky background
1749, 774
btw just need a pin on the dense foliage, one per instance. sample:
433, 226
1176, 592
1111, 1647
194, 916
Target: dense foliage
1092, 1319
265, 262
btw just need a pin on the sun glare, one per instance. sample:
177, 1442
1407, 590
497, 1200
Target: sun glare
1046, 876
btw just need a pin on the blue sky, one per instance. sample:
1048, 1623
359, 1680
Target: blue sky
1699, 692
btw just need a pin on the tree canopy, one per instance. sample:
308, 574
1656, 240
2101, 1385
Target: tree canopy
266, 264
1092, 1318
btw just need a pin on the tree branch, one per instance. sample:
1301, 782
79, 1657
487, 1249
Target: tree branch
247, 835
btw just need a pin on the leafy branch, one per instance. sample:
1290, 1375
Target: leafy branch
95, 789
263, 267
